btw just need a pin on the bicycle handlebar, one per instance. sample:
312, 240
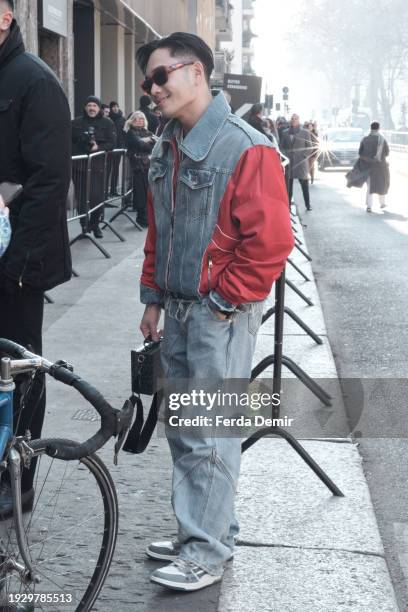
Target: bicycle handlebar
110, 417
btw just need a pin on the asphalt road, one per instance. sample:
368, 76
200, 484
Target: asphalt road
360, 262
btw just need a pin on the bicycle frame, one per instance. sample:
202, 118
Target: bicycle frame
8, 369
6, 415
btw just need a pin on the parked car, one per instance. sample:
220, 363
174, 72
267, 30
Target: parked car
339, 147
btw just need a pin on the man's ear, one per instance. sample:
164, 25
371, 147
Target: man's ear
199, 72
5, 20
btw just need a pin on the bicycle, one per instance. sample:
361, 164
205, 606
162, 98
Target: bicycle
58, 555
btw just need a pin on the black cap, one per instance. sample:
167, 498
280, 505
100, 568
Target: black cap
93, 99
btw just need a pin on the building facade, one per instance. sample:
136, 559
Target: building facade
234, 35
91, 44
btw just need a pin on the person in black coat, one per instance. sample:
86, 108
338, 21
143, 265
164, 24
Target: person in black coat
91, 133
139, 142
118, 119
373, 152
255, 119
153, 120
35, 151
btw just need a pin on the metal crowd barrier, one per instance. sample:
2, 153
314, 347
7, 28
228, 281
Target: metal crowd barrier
398, 141
125, 192
98, 180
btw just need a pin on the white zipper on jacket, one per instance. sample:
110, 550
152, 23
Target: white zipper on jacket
210, 265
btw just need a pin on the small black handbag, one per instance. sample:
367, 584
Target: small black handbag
145, 371
145, 367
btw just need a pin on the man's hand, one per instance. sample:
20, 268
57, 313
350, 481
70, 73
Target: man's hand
150, 321
220, 315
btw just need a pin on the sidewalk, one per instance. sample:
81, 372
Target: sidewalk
300, 548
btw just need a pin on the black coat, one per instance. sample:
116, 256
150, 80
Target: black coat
119, 122
257, 123
153, 120
297, 145
104, 134
379, 172
35, 151
137, 149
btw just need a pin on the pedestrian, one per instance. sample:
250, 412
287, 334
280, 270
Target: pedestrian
91, 133
35, 152
255, 118
373, 151
139, 143
105, 110
296, 144
116, 115
153, 120
315, 153
281, 126
271, 130
219, 234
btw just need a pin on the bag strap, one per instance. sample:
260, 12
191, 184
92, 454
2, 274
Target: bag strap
142, 430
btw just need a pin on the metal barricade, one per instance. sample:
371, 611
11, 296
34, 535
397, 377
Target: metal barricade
88, 177
113, 175
77, 191
397, 140
112, 186
126, 191
98, 180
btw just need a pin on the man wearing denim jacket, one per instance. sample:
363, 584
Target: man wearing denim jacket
219, 234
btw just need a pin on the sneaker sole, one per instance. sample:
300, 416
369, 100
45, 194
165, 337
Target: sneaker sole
176, 586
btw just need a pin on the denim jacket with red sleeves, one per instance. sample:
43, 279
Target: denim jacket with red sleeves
218, 213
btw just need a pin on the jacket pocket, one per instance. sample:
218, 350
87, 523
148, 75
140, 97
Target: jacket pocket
196, 191
159, 183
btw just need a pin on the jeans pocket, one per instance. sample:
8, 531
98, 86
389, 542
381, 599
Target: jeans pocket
211, 312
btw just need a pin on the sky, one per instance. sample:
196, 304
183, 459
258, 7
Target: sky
272, 23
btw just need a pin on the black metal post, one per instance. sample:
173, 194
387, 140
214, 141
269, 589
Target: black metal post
302, 274
113, 230
278, 359
299, 292
123, 211
87, 236
297, 320
303, 252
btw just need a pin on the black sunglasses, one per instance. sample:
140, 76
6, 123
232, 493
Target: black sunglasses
160, 75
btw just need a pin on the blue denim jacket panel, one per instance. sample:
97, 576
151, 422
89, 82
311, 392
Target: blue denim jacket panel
184, 228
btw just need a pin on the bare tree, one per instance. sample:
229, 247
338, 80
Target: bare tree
363, 41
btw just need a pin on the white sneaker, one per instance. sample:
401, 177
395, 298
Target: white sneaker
184, 576
383, 205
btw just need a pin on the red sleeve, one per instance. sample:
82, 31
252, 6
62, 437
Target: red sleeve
260, 209
147, 278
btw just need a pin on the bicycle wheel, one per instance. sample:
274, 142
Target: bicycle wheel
70, 535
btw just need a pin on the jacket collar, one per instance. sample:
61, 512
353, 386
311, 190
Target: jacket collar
199, 140
12, 46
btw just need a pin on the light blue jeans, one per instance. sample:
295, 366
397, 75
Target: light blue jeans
198, 345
